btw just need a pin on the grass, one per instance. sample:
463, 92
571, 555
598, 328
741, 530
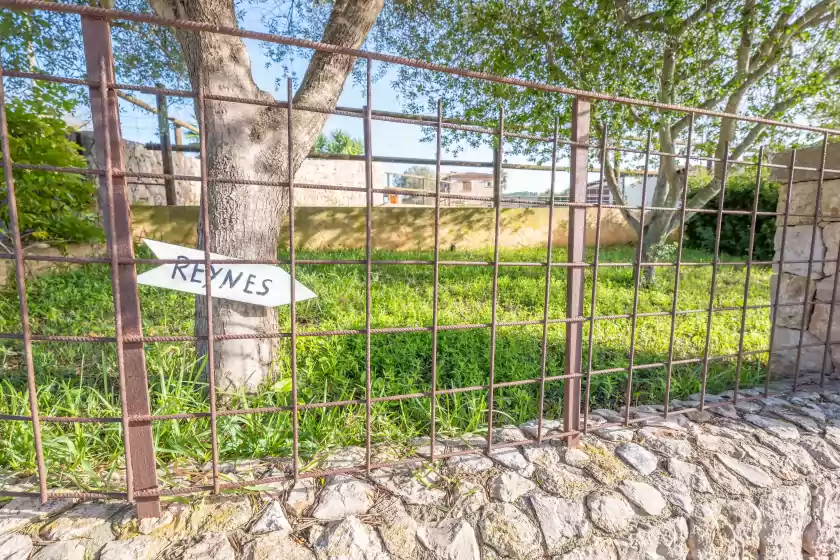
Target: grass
80, 379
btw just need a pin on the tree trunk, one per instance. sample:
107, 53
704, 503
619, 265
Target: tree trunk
657, 230
250, 142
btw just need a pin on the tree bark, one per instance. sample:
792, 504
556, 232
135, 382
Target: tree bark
249, 142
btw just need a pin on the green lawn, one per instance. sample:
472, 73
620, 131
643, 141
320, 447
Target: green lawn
79, 379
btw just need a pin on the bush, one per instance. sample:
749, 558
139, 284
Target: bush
57, 208
735, 229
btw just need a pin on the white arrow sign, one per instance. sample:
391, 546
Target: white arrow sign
260, 284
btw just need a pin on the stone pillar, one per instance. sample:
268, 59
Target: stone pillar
791, 282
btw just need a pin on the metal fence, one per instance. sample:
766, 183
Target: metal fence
137, 421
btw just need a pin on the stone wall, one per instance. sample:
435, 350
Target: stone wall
792, 281
335, 172
755, 480
187, 193
140, 160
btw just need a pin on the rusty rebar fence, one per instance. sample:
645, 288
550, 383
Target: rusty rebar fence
136, 419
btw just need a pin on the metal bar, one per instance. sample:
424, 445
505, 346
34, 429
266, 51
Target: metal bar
166, 148
368, 243
68, 495
418, 119
753, 223
547, 297
781, 271
414, 63
436, 284
637, 280
20, 280
293, 306
96, 36
713, 287
115, 282
178, 123
385, 330
417, 192
497, 193
208, 297
679, 262
389, 398
576, 253
807, 306
828, 334
591, 338
429, 161
414, 262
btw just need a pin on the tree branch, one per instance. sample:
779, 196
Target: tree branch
779, 108
766, 56
697, 15
758, 128
745, 46
612, 183
784, 30
658, 20
651, 21
702, 197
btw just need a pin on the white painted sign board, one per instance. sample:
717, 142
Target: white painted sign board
260, 284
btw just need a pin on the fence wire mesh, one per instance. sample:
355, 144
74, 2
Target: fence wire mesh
136, 420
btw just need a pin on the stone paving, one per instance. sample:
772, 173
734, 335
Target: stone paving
757, 480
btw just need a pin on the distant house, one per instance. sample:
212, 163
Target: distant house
480, 184
593, 188
474, 184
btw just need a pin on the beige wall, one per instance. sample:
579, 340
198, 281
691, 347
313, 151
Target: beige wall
394, 228
400, 228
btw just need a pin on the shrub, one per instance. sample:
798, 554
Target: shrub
53, 207
735, 229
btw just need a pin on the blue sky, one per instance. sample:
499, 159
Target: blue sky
388, 139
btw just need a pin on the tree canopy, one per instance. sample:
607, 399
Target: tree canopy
50, 41
339, 142
53, 207
778, 59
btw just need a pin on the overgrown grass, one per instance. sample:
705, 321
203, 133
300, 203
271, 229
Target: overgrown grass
80, 379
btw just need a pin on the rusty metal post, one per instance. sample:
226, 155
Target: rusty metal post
96, 34
576, 254
165, 147
20, 281
179, 141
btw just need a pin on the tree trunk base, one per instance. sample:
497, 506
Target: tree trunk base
241, 365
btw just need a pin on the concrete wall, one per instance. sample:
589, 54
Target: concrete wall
814, 297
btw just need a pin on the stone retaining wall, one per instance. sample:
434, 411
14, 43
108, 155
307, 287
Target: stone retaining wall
792, 282
187, 193
760, 479
140, 160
